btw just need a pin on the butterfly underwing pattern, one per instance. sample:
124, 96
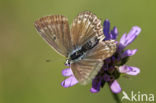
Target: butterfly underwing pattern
82, 44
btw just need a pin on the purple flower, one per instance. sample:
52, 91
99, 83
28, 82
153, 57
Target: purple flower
71, 80
106, 29
113, 66
129, 38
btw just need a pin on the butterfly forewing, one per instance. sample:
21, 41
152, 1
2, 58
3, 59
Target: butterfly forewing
55, 30
84, 27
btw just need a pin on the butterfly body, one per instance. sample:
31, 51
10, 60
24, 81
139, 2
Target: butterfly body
82, 44
79, 53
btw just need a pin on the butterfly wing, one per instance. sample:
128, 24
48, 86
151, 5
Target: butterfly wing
87, 68
55, 30
102, 50
84, 27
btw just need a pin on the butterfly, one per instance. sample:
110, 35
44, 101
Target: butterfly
82, 43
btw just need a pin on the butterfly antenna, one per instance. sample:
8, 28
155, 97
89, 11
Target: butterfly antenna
54, 60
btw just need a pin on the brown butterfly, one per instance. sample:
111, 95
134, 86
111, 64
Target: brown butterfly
82, 44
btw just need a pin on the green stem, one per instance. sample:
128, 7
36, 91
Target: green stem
116, 98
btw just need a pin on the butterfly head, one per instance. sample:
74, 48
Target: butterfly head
67, 63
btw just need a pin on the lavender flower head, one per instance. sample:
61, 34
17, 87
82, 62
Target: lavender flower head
113, 66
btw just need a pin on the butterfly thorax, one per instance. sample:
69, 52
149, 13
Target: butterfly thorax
79, 53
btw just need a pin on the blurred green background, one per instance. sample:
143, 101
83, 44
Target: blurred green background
26, 77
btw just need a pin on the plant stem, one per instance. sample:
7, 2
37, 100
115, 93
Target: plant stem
116, 98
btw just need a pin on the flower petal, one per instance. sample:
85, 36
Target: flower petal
94, 90
122, 42
67, 72
96, 83
69, 82
128, 53
106, 29
115, 87
135, 31
130, 37
114, 33
129, 70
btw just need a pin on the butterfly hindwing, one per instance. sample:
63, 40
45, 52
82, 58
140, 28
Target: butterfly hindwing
55, 30
102, 50
87, 68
